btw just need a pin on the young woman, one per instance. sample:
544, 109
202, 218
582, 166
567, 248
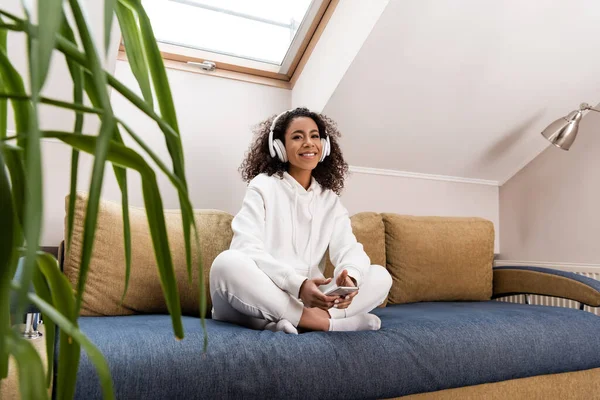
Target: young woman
291, 214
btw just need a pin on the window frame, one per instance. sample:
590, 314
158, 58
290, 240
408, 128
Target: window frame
181, 57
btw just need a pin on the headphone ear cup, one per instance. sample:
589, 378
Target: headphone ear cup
325, 148
280, 150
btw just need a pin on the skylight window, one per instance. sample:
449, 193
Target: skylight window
260, 37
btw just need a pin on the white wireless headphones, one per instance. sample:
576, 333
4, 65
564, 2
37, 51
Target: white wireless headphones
276, 146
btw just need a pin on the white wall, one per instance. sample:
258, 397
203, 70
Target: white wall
215, 120
55, 156
464, 87
549, 210
215, 117
342, 38
415, 196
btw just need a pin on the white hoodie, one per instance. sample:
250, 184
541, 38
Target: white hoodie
286, 230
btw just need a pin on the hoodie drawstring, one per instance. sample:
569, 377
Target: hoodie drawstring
294, 216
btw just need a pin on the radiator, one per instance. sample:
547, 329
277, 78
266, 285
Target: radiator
553, 301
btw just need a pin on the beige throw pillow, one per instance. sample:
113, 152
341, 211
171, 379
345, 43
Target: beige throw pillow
439, 258
106, 276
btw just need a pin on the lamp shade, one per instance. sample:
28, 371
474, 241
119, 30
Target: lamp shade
563, 131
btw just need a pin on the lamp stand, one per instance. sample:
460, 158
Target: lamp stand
32, 320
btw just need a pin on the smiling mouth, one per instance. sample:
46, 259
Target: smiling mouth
308, 155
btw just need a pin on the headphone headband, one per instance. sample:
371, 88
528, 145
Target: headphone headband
277, 117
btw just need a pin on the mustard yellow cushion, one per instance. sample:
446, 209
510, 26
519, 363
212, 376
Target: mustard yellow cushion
369, 231
106, 276
439, 258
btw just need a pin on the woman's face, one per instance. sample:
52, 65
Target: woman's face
303, 143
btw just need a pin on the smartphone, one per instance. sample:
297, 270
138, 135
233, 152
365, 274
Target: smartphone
340, 290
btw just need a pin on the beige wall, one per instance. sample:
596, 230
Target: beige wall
549, 211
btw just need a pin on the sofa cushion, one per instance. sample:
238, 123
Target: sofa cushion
439, 258
106, 276
422, 347
370, 232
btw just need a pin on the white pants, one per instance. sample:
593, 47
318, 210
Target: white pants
243, 294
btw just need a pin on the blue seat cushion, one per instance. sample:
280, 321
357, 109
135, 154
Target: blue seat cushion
421, 347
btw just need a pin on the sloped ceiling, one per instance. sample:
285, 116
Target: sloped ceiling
464, 87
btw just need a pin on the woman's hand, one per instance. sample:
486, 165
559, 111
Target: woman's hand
311, 295
344, 280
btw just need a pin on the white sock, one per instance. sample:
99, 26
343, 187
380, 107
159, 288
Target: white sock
360, 322
281, 326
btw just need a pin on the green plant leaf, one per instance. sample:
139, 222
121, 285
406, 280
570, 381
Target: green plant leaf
186, 205
34, 207
136, 44
109, 8
127, 158
33, 214
48, 26
4, 325
167, 108
73, 332
104, 137
170, 137
63, 301
29, 364
167, 111
121, 175
71, 52
186, 208
3, 102
72, 195
91, 61
10, 15
13, 83
13, 159
43, 290
54, 102
7, 245
135, 50
76, 107
155, 65
76, 72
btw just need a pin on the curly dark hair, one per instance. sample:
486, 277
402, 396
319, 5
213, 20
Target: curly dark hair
329, 174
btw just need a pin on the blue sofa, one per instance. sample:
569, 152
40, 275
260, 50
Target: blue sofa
443, 335
422, 347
